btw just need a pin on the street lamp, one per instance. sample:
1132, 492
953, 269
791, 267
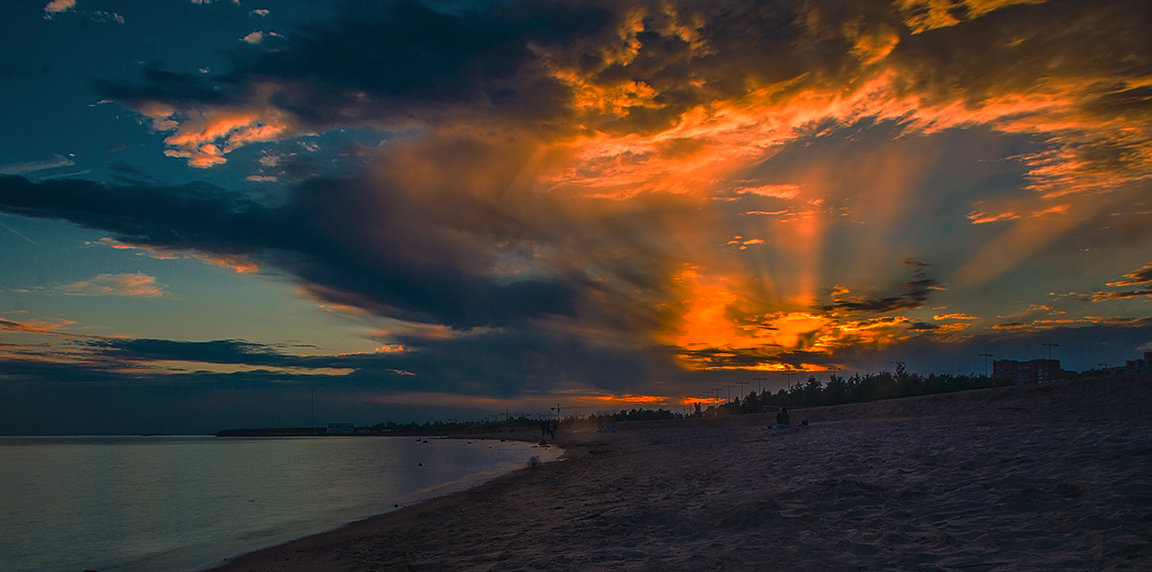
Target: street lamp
986, 356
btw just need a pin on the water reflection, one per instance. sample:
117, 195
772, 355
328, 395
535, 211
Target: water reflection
187, 502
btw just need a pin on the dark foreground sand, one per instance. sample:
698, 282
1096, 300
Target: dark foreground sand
1055, 477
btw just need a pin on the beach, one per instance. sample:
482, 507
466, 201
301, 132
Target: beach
1048, 477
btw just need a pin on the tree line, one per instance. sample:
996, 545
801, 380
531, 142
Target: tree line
510, 423
838, 390
858, 389
441, 427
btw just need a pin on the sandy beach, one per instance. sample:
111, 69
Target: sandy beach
1053, 477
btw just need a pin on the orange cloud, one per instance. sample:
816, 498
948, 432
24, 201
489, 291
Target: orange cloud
237, 264
1141, 278
35, 326
66, 350
58, 6
432, 332
629, 398
626, 142
133, 285
205, 135
788, 191
923, 15
979, 217
955, 316
691, 400
730, 133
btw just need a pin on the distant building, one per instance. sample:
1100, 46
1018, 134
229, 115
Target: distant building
1130, 368
1026, 372
341, 428
1139, 366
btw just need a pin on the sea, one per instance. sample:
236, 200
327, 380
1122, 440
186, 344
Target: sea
191, 502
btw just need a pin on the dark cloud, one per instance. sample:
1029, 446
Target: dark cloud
745, 359
216, 351
1141, 278
1053, 41
39, 370
126, 174
498, 363
1101, 296
345, 239
1092, 55
527, 362
713, 358
382, 61
70, 399
162, 85
1079, 348
914, 296
390, 61
415, 54
915, 293
558, 68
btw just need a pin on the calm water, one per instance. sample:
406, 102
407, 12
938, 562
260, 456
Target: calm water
187, 503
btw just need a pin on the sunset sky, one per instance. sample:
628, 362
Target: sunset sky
221, 213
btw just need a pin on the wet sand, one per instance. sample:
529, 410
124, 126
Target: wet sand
1034, 478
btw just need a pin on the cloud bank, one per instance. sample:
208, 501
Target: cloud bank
585, 195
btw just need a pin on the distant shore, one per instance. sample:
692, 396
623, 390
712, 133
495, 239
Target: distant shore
1031, 478
512, 434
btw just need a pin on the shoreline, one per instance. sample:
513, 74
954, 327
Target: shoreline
1030, 477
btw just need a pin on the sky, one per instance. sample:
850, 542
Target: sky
239, 214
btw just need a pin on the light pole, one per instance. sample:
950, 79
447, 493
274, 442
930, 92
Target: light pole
986, 356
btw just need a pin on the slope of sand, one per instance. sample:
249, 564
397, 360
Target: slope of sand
1040, 478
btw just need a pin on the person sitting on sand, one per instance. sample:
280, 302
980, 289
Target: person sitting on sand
782, 418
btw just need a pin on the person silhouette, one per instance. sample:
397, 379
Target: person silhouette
782, 418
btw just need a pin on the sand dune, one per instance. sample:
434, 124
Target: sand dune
1056, 477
